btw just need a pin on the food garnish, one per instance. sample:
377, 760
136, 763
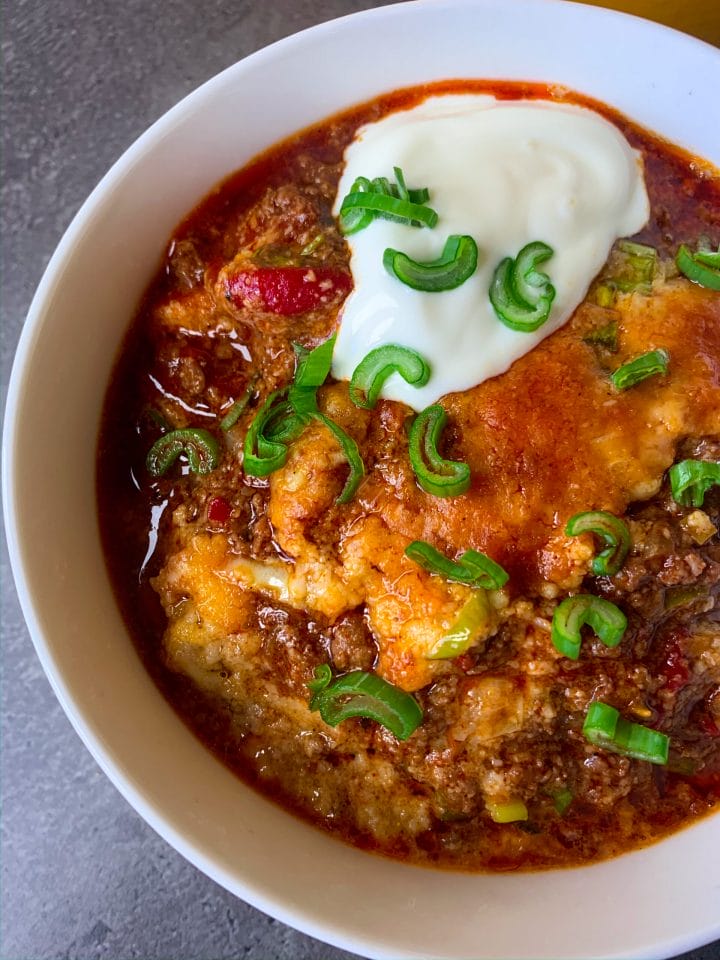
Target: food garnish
472, 567
372, 372
701, 267
604, 727
369, 199
640, 368
435, 474
199, 446
606, 620
454, 266
363, 694
690, 480
613, 531
521, 294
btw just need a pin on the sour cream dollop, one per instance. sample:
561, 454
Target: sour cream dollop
506, 173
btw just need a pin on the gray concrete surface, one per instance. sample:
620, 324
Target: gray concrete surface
82, 875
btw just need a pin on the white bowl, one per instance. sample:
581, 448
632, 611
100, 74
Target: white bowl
655, 902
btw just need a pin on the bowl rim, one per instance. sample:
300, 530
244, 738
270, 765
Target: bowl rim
287, 913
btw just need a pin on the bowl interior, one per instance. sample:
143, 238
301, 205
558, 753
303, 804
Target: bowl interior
82, 308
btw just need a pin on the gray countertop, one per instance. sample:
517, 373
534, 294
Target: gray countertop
82, 875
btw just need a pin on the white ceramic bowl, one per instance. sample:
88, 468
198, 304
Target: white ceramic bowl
652, 903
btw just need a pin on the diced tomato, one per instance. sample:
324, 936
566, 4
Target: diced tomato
708, 782
218, 510
675, 671
287, 290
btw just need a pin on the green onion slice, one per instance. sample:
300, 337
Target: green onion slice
474, 618
701, 267
642, 367
311, 371
369, 199
604, 296
200, 447
521, 295
283, 425
709, 258
612, 530
402, 191
456, 263
352, 455
399, 190
374, 369
690, 480
608, 622
507, 812
636, 270
606, 728
388, 207
361, 694
323, 676
236, 409
443, 478
473, 568
313, 367
606, 336
286, 413
356, 219
265, 449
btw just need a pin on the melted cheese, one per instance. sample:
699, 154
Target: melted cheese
506, 173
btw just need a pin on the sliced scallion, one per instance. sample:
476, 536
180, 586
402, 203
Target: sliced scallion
198, 445
562, 799
520, 294
607, 621
312, 245
473, 568
702, 267
510, 812
646, 365
604, 296
352, 455
443, 478
475, 618
683, 595
382, 205
456, 264
690, 480
311, 371
285, 413
373, 370
313, 367
606, 336
402, 190
361, 694
265, 448
708, 258
604, 727
236, 409
610, 529
352, 220
636, 268
369, 199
